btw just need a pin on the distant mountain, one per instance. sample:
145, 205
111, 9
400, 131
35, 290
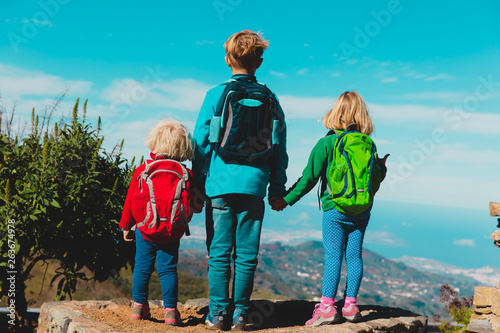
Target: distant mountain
487, 276
296, 272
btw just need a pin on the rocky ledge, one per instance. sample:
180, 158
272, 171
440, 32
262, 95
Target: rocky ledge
265, 316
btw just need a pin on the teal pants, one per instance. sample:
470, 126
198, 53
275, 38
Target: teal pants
234, 223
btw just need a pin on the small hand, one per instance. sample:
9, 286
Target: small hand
128, 235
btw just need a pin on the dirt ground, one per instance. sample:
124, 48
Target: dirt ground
193, 319
264, 315
119, 319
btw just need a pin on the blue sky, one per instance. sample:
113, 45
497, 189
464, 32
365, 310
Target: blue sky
428, 71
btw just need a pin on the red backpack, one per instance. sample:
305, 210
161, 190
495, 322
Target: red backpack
164, 203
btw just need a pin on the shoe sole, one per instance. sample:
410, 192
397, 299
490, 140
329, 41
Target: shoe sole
326, 321
354, 318
135, 317
238, 328
211, 326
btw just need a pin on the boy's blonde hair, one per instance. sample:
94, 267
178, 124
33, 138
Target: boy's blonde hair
349, 108
170, 137
245, 48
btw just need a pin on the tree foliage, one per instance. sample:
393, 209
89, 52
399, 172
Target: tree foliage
64, 195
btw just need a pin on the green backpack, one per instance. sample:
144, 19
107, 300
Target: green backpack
354, 176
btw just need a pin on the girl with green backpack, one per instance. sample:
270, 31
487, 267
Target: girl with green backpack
347, 163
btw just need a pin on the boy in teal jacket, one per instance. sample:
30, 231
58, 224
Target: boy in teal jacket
236, 191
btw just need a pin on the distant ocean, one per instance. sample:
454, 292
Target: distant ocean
457, 236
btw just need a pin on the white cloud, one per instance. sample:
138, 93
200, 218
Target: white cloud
389, 79
461, 154
133, 132
415, 75
441, 76
382, 142
383, 237
204, 42
303, 71
300, 219
289, 237
447, 119
405, 113
178, 94
278, 74
16, 82
404, 184
39, 23
464, 242
481, 123
336, 74
305, 107
444, 96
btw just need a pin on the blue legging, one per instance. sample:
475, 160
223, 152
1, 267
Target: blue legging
165, 256
343, 234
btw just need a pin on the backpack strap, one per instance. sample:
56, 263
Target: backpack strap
181, 185
321, 189
352, 127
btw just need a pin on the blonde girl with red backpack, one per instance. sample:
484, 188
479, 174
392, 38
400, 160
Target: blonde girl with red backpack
160, 202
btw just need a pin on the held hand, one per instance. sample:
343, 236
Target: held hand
383, 160
277, 203
128, 235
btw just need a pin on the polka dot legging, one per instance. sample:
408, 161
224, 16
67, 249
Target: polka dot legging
343, 234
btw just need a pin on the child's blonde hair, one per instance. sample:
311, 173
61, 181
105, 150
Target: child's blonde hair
170, 137
349, 108
245, 48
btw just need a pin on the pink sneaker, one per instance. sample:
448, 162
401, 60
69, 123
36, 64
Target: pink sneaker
350, 312
172, 317
321, 317
140, 311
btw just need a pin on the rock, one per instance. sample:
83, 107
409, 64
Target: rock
494, 208
65, 316
495, 301
122, 301
480, 326
155, 304
196, 304
483, 310
495, 237
482, 296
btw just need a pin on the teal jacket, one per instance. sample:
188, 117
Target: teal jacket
226, 178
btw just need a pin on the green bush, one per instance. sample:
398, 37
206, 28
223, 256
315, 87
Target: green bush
63, 196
